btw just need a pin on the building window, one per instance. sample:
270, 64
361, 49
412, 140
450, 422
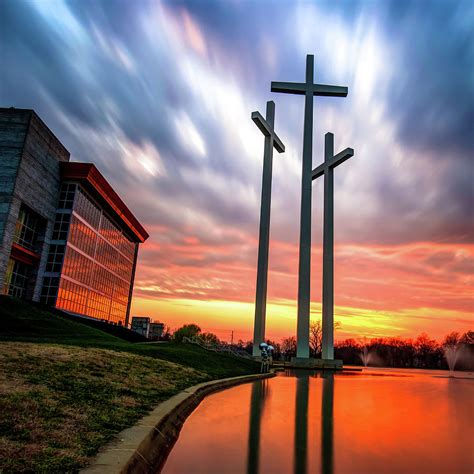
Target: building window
98, 306
66, 195
49, 291
77, 266
61, 226
118, 313
55, 258
87, 209
82, 236
28, 228
17, 279
72, 297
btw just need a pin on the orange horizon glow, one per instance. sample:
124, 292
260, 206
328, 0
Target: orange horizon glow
380, 290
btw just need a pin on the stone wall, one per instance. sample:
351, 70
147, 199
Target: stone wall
29, 162
13, 130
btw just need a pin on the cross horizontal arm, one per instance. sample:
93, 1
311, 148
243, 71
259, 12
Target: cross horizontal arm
301, 88
289, 87
329, 91
333, 162
262, 124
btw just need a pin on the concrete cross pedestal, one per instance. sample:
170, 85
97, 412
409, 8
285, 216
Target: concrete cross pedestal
309, 90
327, 169
266, 126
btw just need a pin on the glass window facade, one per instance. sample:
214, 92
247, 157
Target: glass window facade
86, 208
28, 237
29, 227
66, 195
16, 281
49, 291
55, 258
61, 226
91, 272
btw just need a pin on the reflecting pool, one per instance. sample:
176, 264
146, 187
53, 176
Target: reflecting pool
373, 421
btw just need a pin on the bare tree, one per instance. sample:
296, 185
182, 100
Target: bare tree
316, 336
288, 346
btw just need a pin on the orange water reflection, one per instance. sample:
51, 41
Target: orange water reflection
370, 422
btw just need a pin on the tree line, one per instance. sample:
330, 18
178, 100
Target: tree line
420, 352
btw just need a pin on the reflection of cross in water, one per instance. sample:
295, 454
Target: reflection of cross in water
327, 169
257, 399
327, 415
309, 90
300, 461
271, 140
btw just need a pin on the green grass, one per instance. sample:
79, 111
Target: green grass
66, 389
21, 321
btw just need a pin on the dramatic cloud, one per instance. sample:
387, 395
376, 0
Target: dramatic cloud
159, 96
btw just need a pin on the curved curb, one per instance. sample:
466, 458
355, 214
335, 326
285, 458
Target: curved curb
144, 447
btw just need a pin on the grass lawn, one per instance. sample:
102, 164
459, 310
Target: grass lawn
66, 389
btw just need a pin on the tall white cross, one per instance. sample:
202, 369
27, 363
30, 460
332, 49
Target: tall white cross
309, 90
327, 169
266, 126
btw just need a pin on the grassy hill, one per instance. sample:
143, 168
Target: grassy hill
22, 321
66, 388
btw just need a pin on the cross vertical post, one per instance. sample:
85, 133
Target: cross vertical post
271, 140
328, 254
327, 169
308, 89
304, 281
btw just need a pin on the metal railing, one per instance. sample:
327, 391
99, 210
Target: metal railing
222, 347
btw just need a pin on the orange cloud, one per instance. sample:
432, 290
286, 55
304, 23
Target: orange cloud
380, 290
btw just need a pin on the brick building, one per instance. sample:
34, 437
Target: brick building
66, 237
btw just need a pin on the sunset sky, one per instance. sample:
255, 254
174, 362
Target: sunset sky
159, 96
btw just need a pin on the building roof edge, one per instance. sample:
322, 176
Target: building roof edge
89, 174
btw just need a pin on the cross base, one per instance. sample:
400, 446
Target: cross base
300, 363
